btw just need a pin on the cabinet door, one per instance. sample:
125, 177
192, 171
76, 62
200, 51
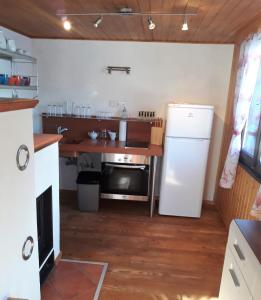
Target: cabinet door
19, 276
233, 286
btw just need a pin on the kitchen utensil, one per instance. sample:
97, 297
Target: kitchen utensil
11, 45
93, 135
2, 40
112, 135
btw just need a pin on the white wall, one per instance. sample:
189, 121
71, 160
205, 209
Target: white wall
46, 175
161, 72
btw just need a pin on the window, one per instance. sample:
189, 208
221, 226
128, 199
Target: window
250, 155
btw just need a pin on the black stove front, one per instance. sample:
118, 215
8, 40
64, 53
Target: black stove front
45, 233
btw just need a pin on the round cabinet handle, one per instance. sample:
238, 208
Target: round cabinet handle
28, 248
21, 149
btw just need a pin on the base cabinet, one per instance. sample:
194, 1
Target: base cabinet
233, 285
241, 277
19, 272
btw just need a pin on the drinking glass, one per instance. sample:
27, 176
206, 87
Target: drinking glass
49, 110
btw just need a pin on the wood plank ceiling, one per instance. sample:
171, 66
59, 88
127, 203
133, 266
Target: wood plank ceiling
217, 21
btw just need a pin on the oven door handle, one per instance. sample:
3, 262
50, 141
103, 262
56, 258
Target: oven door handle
125, 166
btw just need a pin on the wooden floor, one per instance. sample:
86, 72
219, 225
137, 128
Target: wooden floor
161, 258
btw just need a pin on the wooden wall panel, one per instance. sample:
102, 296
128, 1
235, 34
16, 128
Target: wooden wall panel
237, 202
78, 128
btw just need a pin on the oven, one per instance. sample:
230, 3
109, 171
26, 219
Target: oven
125, 177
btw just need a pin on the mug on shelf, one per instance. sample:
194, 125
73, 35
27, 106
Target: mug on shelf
4, 79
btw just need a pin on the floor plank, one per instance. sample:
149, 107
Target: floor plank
159, 258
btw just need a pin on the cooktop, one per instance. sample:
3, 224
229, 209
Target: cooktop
136, 144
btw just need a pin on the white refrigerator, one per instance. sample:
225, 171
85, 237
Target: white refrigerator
187, 139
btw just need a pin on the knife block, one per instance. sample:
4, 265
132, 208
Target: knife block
156, 136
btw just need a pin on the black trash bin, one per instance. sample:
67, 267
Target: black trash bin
88, 190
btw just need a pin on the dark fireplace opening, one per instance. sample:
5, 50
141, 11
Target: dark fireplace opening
45, 233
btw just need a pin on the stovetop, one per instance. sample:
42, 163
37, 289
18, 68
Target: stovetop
136, 144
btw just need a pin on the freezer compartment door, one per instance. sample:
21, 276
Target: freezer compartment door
189, 122
183, 176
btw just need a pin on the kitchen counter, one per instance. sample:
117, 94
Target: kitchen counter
252, 233
74, 148
43, 140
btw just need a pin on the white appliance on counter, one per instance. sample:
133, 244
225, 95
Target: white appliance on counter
187, 139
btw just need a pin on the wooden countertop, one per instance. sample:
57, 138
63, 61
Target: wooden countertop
43, 140
252, 233
106, 146
16, 104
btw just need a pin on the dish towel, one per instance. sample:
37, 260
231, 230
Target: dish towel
256, 209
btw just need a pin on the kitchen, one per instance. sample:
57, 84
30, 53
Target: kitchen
74, 72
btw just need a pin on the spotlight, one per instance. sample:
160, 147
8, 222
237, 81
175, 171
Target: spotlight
67, 25
97, 22
151, 24
185, 25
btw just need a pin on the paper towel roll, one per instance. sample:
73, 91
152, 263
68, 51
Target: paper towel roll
123, 130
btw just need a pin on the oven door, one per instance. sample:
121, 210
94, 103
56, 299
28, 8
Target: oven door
125, 181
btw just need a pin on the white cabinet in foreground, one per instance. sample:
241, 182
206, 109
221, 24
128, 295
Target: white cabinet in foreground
241, 277
19, 272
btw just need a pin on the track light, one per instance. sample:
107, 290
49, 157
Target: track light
151, 24
97, 22
185, 24
67, 24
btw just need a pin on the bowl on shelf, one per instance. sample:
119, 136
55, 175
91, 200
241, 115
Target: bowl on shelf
2, 40
11, 45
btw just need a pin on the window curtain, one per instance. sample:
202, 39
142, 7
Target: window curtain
256, 209
249, 62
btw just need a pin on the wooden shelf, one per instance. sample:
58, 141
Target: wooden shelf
18, 87
16, 104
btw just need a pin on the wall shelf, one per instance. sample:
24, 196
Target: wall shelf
7, 54
16, 60
19, 87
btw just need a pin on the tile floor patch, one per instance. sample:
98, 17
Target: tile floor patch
74, 280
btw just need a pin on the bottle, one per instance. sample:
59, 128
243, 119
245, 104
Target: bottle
123, 130
124, 113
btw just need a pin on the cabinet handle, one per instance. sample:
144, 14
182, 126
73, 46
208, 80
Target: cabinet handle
27, 254
239, 252
234, 277
23, 166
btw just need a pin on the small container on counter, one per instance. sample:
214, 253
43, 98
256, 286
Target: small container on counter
123, 130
